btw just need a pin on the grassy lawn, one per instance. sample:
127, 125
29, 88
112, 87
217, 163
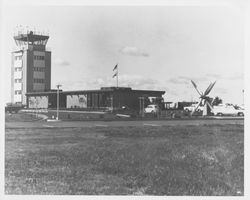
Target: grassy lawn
176, 160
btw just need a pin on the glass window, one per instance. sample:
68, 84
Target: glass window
17, 69
38, 80
18, 92
17, 80
39, 57
39, 69
18, 57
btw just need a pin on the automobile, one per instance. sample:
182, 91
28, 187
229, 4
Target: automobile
227, 109
13, 108
239, 107
241, 111
152, 108
192, 107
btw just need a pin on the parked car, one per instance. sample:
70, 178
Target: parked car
13, 108
241, 111
227, 109
152, 108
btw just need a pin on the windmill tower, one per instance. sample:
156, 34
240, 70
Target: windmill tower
204, 98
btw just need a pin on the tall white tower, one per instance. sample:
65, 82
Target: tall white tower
31, 66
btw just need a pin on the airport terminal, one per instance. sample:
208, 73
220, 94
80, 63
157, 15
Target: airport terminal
31, 82
114, 140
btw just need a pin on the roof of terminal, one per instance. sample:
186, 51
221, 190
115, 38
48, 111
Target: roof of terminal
103, 89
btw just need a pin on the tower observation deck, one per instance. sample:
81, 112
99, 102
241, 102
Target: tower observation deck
30, 38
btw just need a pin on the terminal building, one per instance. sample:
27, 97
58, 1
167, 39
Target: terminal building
31, 82
106, 97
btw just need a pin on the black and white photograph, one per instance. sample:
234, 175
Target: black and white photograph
123, 100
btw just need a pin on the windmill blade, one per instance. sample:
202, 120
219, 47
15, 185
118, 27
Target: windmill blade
195, 86
210, 87
207, 90
196, 107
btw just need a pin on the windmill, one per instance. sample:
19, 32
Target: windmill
204, 98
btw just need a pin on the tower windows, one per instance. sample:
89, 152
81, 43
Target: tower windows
18, 80
18, 69
39, 57
39, 69
18, 57
38, 80
18, 92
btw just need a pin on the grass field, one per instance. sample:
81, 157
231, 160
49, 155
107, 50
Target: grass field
176, 160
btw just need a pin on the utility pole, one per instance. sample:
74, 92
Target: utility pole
57, 110
111, 102
141, 104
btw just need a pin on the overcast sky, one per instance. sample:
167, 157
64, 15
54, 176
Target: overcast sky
158, 48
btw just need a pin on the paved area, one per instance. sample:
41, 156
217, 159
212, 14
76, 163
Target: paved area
153, 123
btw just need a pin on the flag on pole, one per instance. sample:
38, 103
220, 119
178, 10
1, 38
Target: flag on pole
115, 75
115, 67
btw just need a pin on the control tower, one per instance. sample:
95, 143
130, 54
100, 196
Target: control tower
30, 66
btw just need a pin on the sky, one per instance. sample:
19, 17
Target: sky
156, 47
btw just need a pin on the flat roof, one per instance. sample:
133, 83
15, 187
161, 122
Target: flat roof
103, 89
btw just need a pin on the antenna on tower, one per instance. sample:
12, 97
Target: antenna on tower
26, 36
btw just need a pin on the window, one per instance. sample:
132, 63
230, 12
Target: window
18, 57
18, 92
17, 80
38, 80
39, 69
39, 57
18, 69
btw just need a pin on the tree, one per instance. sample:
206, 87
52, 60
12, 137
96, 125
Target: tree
217, 101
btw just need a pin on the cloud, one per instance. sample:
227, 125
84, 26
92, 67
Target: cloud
187, 79
138, 82
133, 51
232, 77
61, 62
179, 80
220, 90
133, 81
215, 76
235, 77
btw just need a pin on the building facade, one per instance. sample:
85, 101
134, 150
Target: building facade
106, 97
30, 66
31, 82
